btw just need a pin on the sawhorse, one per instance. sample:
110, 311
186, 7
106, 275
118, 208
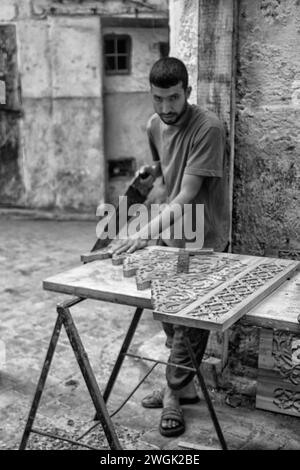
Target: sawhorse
65, 319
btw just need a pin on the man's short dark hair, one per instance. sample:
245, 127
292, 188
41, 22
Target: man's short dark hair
167, 72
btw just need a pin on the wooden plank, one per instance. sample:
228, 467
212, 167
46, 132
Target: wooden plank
231, 137
223, 306
278, 383
265, 359
216, 22
99, 280
217, 73
103, 253
183, 262
190, 445
218, 346
2, 92
280, 310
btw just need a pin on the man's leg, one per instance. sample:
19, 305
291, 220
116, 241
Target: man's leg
180, 381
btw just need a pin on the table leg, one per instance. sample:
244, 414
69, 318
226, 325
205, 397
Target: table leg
89, 377
124, 348
206, 394
41, 383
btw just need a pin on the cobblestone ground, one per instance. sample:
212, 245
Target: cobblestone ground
32, 250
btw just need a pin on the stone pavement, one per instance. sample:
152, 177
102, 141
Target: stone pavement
32, 249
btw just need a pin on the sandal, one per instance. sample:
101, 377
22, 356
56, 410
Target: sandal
155, 400
174, 414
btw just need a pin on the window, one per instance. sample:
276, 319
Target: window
164, 49
117, 50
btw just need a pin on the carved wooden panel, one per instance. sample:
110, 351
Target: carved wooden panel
172, 294
237, 291
225, 303
217, 290
149, 263
278, 385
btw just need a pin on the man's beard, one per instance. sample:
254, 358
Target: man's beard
174, 117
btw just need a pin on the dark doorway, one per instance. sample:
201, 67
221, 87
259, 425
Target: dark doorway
10, 179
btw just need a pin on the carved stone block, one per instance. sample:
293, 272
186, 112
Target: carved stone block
278, 385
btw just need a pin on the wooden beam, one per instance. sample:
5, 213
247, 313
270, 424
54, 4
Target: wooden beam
279, 311
190, 445
136, 22
217, 73
2, 92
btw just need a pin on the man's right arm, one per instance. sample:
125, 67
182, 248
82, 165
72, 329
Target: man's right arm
154, 169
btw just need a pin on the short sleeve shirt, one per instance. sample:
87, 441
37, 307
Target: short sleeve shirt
195, 145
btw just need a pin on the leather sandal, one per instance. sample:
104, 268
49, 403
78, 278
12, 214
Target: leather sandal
155, 400
173, 414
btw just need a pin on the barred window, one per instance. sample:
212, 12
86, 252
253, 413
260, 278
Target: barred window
117, 52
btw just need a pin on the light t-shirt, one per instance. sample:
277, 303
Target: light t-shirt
195, 145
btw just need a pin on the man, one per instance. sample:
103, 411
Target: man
189, 144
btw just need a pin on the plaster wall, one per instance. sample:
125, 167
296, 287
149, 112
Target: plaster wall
61, 129
126, 116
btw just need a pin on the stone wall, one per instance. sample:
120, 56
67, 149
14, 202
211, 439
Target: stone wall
266, 187
267, 126
267, 153
267, 143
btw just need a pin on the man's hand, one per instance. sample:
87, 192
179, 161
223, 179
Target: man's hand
148, 173
128, 245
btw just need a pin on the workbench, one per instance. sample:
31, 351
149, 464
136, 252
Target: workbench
101, 280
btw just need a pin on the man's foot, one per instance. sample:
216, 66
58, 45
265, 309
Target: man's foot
172, 414
187, 396
175, 416
155, 400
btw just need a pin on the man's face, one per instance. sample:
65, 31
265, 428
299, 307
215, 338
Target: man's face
170, 103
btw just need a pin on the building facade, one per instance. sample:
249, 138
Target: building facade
77, 102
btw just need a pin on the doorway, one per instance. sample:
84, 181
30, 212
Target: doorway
11, 186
